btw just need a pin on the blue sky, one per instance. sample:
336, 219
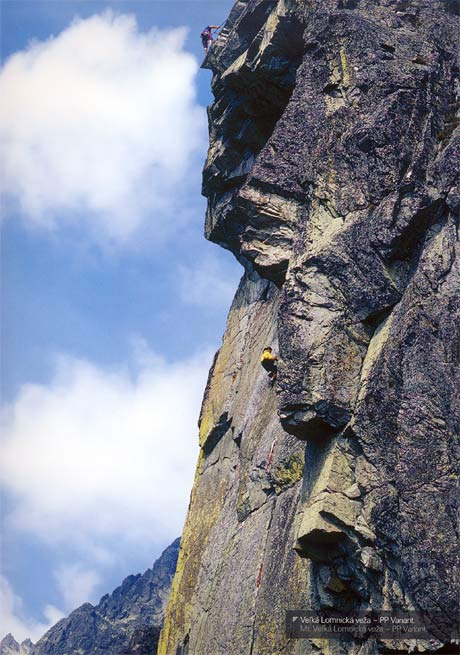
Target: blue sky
112, 301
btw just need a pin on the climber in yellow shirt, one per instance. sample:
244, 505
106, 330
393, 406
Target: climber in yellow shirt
268, 361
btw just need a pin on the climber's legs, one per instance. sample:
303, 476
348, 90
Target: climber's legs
271, 368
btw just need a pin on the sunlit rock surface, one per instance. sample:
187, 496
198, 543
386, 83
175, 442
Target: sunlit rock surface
332, 175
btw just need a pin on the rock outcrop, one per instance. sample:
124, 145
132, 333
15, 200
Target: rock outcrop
126, 622
9, 646
332, 175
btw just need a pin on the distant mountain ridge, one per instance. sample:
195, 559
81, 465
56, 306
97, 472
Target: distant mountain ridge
126, 622
9, 646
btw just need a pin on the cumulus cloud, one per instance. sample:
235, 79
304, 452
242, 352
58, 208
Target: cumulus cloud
11, 611
210, 283
99, 125
101, 457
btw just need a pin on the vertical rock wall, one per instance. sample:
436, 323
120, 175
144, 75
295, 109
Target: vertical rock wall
332, 175
235, 574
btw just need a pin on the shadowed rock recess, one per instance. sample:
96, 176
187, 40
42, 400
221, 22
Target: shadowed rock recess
332, 176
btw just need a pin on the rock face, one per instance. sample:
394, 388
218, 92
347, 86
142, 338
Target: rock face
332, 175
126, 622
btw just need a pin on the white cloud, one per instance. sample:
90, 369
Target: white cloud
210, 283
52, 615
100, 125
77, 584
97, 457
11, 611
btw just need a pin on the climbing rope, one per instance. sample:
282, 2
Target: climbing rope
259, 577
270, 456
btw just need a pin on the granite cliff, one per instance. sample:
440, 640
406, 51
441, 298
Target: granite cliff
332, 175
126, 622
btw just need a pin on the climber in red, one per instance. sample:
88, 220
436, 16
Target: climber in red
206, 36
268, 361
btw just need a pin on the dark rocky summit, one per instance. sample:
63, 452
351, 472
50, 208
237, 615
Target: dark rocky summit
333, 176
126, 622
